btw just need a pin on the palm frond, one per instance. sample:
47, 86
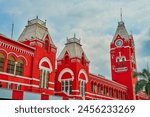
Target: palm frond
140, 85
146, 73
139, 74
147, 88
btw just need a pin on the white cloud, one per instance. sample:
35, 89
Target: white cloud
93, 21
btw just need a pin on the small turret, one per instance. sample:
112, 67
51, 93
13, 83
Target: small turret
35, 30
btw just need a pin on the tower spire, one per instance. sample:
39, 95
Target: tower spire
121, 14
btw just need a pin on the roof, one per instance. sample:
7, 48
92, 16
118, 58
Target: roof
35, 29
74, 48
121, 30
3, 35
14, 41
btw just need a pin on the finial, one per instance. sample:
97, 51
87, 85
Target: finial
121, 14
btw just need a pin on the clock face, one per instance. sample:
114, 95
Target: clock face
119, 43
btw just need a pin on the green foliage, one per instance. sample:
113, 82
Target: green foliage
143, 84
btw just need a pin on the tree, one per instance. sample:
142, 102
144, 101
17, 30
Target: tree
144, 81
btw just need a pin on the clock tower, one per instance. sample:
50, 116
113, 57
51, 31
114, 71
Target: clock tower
122, 55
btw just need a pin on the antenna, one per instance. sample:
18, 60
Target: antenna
147, 67
121, 14
12, 28
74, 35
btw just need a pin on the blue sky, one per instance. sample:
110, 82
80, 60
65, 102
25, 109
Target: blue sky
94, 21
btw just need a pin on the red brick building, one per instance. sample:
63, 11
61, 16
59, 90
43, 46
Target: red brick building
28, 67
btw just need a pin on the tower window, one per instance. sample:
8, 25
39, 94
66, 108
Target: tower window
118, 62
123, 62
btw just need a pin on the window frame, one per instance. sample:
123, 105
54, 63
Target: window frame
44, 78
66, 86
2, 62
82, 87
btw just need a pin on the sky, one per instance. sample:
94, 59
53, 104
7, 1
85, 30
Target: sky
93, 21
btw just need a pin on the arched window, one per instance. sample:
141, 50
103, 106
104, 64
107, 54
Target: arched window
11, 65
1, 62
115, 93
19, 67
45, 70
66, 82
44, 77
106, 91
99, 89
123, 61
66, 86
82, 88
118, 62
93, 86
110, 92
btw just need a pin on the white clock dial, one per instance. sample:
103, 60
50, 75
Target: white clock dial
119, 43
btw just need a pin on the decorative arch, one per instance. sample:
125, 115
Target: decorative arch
4, 52
13, 55
64, 71
45, 59
120, 58
2, 61
23, 58
84, 72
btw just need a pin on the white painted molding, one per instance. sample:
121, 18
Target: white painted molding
64, 71
45, 59
5, 52
51, 83
84, 72
9, 46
